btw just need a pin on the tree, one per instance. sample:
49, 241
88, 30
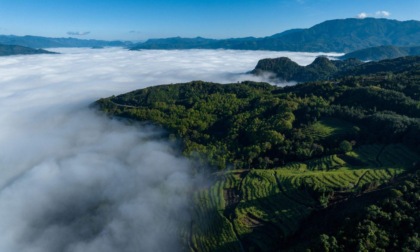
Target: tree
345, 146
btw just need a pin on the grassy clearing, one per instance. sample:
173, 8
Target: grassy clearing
329, 127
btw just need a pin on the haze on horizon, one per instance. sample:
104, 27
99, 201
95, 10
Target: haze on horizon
139, 20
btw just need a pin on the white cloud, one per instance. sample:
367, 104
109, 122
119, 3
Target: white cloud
382, 14
378, 14
362, 15
78, 33
73, 180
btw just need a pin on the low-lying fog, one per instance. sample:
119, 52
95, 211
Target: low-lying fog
73, 180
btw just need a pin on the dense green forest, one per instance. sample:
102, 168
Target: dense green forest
385, 220
327, 166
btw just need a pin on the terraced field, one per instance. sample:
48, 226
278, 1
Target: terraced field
211, 230
257, 209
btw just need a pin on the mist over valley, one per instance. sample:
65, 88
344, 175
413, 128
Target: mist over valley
74, 180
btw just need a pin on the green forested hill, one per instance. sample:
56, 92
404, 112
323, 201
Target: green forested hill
295, 164
320, 69
323, 68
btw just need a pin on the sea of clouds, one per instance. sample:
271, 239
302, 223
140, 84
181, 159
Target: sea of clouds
73, 180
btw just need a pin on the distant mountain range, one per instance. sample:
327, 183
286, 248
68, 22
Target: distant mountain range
383, 52
44, 42
342, 35
7, 50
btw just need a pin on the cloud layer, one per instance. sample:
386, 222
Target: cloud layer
73, 180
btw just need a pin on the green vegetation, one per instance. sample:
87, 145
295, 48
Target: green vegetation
261, 126
261, 209
326, 166
330, 128
324, 69
321, 69
384, 220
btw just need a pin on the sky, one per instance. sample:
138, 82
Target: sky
138, 20
72, 179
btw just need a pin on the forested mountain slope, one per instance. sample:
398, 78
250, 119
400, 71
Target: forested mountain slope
327, 166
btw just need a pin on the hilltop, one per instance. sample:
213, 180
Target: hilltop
323, 68
320, 69
341, 35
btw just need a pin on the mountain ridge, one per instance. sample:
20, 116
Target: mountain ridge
8, 50
46, 42
339, 35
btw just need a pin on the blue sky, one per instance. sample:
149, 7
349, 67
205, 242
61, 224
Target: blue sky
142, 19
